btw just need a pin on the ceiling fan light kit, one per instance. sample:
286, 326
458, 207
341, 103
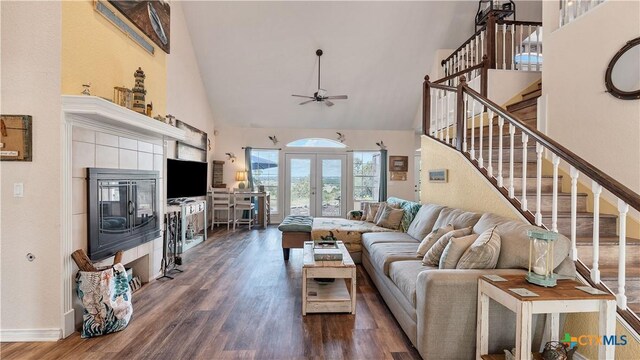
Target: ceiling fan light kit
321, 95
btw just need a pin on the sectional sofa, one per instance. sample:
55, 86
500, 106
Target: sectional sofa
436, 308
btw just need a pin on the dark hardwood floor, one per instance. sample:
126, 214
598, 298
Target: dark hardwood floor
237, 299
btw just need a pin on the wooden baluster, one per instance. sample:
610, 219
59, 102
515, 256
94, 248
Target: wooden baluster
495, 45
441, 117
521, 47
490, 160
504, 46
539, 151
482, 43
623, 208
512, 132
434, 112
529, 51
481, 148
574, 211
554, 200
473, 129
523, 202
467, 56
464, 127
477, 51
447, 115
500, 124
595, 271
513, 47
538, 45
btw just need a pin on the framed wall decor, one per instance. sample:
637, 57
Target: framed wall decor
151, 17
399, 163
398, 176
15, 138
439, 175
194, 136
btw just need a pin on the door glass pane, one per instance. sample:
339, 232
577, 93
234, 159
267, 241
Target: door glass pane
114, 213
144, 192
331, 185
300, 187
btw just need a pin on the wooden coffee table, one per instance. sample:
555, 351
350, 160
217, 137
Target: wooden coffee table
336, 297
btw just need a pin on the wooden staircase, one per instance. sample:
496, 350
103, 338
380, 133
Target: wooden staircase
526, 110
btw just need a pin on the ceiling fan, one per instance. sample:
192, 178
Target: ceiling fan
321, 94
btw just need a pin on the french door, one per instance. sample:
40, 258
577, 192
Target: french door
316, 185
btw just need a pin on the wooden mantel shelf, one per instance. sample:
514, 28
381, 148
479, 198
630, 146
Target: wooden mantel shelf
102, 112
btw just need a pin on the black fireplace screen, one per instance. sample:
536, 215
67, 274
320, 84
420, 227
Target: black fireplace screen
123, 210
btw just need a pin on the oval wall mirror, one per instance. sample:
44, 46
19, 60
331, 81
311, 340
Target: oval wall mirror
623, 73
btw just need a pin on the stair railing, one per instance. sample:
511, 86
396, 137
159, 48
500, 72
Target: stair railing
454, 115
508, 44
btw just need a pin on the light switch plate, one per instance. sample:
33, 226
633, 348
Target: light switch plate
18, 190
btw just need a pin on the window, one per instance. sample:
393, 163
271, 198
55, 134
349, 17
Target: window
317, 143
265, 171
366, 170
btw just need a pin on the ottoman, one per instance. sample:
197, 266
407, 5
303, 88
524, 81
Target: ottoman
295, 231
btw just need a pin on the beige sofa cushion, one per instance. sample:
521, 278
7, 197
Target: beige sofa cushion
371, 238
422, 223
383, 254
389, 217
431, 239
483, 253
514, 253
456, 217
432, 257
404, 275
454, 250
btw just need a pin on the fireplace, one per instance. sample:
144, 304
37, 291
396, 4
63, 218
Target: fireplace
122, 210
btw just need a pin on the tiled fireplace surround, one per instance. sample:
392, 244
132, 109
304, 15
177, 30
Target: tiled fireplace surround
99, 133
91, 148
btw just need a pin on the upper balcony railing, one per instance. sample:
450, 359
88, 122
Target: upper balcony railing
573, 9
507, 44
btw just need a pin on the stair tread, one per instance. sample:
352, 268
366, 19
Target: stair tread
522, 104
609, 240
579, 214
611, 272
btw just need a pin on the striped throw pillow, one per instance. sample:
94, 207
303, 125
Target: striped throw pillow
483, 253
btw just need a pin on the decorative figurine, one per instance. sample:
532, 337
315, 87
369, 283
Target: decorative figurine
170, 119
139, 92
123, 96
161, 118
87, 89
149, 108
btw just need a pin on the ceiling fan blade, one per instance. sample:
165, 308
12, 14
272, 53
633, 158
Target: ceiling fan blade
303, 96
328, 103
338, 97
306, 102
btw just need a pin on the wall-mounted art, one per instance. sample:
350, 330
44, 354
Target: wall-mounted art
194, 136
151, 17
438, 175
398, 175
398, 163
15, 138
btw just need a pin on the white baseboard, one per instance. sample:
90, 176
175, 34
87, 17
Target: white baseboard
23, 335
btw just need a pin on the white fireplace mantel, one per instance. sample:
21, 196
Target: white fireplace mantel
95, 113
100, 111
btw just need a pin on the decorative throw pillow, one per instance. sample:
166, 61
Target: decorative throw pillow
483, 253
389, 218
454, 251
372, 210
381, 208
431, 239
432, 257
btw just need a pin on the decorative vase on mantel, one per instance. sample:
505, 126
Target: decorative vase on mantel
139, 92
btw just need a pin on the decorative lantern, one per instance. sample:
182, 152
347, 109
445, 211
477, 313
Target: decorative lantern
541, 257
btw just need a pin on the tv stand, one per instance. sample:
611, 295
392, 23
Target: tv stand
189, 211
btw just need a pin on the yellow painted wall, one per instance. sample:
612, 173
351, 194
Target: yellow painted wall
95, 50
466, 189
587, 324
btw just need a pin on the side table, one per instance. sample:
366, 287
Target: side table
563, 298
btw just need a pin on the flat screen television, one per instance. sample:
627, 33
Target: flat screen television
186, 178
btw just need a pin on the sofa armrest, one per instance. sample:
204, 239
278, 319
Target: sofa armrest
446, 306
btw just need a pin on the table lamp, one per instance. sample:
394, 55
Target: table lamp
242, 177
541, 258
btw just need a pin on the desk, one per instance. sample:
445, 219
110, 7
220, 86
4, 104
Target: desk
563, 298
264, 203
262, 207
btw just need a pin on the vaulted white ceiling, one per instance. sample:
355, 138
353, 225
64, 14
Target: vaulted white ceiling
254, 55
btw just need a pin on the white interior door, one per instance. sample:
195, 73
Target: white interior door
316, 185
